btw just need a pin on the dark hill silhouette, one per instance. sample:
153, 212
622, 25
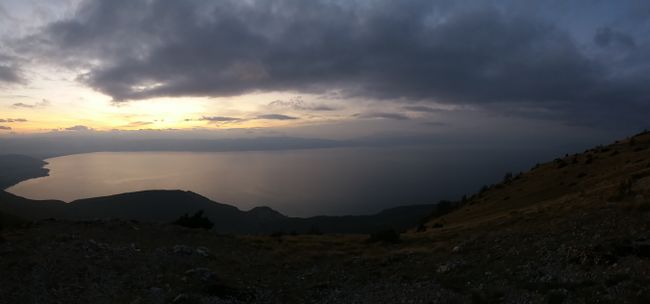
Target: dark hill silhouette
31, 209
167, 205
17, 168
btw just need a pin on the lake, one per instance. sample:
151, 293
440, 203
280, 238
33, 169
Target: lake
296, 183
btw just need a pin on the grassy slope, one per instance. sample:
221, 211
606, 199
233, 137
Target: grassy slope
568, 184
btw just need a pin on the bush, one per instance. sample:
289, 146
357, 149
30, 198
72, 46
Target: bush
421, 228
313, 230
624, 191
443, 207
385, 236
195, 221
484, 189
507, 177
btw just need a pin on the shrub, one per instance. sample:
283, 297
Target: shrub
443, 207
385, 236
313, 230
624, 190
484, 189
421, 228
507, 178
195, 221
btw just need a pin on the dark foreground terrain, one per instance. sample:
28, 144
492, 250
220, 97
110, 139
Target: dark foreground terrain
575, 230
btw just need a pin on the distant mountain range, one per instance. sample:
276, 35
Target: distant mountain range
167, 206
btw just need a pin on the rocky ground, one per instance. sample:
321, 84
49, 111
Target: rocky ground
601, 256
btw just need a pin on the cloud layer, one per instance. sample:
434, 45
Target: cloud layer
457, 52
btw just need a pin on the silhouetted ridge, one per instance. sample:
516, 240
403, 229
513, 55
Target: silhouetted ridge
266, 213
17, 168
168, 205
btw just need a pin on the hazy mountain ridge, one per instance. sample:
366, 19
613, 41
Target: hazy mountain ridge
167, 205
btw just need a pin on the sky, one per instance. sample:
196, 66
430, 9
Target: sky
329, 69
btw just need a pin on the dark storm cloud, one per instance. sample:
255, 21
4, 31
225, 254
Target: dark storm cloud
423, 109
9, 71
462, 52
384, 115
436, 124
277, 117
8, 74
607, 37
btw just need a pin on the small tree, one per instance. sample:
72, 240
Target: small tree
195, 221
507, 178
313, 230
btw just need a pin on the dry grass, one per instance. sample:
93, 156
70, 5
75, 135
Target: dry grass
568, 184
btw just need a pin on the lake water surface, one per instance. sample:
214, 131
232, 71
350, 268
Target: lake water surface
297, 183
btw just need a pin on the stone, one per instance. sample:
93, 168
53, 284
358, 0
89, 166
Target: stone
202, 273
444, 268
203, 251
183, 250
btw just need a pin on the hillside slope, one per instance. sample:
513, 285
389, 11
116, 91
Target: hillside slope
617, 174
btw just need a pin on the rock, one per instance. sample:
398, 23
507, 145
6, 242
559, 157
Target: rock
183, 298
183, 250
444, 268
202, 273
204, 252
456, 249
134, 247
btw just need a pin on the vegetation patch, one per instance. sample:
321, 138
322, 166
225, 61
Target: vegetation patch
195, 221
